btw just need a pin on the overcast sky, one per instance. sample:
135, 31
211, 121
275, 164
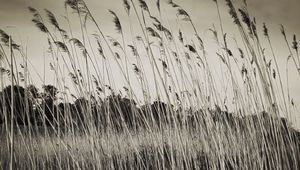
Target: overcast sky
15, 19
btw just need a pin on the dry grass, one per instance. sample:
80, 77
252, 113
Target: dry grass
231, 120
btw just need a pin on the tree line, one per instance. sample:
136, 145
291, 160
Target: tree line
32, 107
35, 108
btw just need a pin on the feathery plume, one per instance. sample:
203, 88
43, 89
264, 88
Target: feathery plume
100, 49
173, 4
222, 58
241, 53
165, 30
191, 48
116, 20
78, 43
158, 5
244, 70
62, 46
253, 27
200, 41
117, 55
155, 19
246, 19
32, 10
126, 6
232, 12
182, 12
51, 67
64, 33
295, 43
52, 19
265, 30
282, 31
136, 69
214, 33
114, 42
5, 39
133, 49
164, 64
180, 37
35, 13
144, 5
76, 5
229, 52
71, 3
74, 78
40, 25
152, 32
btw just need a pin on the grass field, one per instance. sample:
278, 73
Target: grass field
157, 98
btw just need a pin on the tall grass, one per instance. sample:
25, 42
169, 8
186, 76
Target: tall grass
174, 111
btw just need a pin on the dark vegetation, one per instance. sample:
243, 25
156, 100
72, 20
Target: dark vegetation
114, 110
43, 108
121, 114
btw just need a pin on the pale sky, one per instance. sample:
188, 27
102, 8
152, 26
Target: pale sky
16, 20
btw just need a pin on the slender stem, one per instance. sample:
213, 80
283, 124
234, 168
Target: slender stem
11, 167
279, 75
294, 60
